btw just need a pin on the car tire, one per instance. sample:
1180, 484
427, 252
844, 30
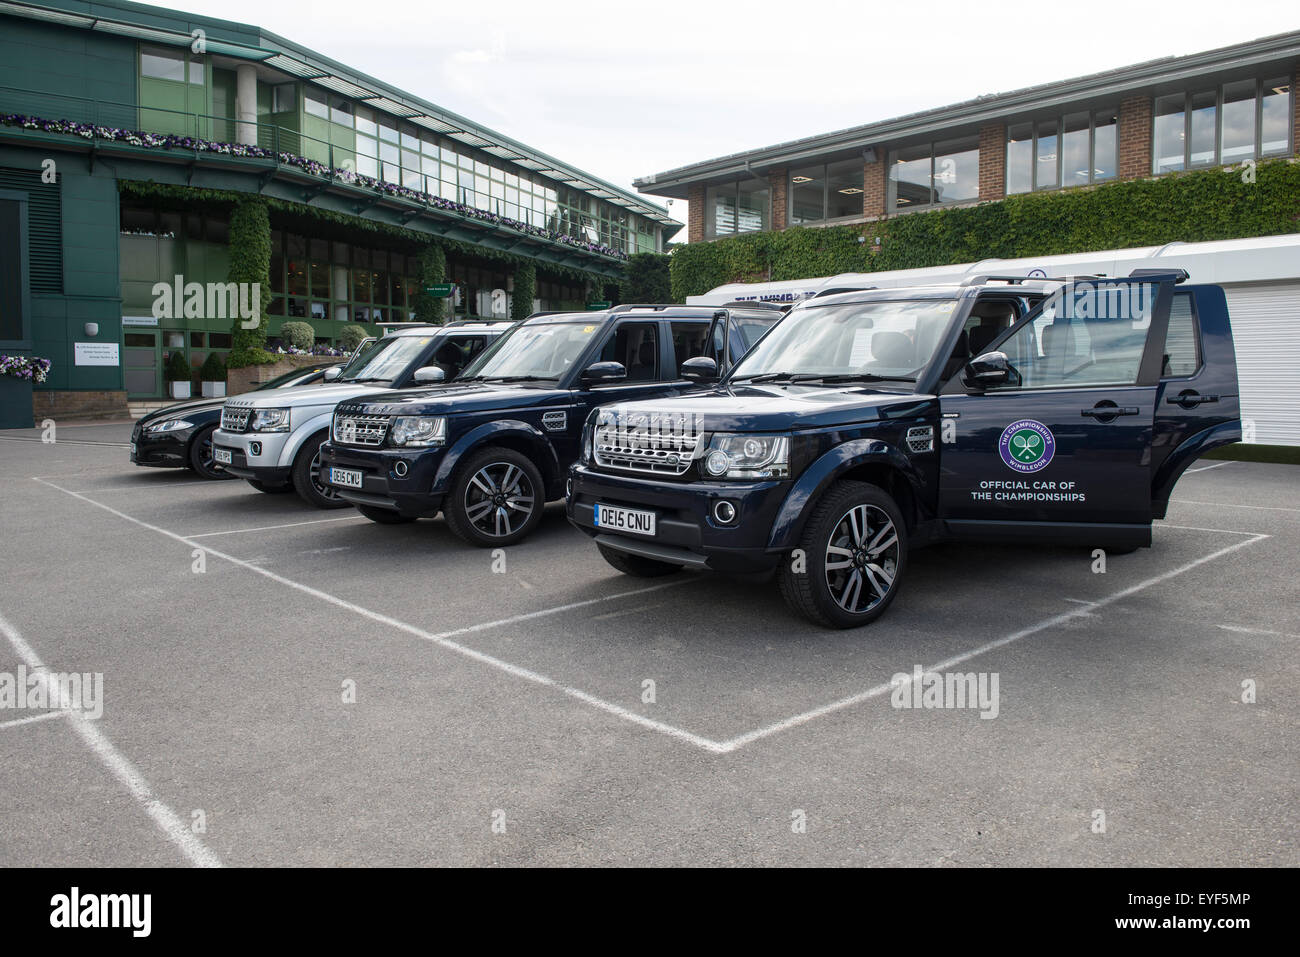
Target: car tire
854, 556
636, 565
200, 456
307, 480
384, 516
270, 489
496, 498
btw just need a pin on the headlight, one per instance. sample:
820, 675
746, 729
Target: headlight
588, 429
739, 456
418, 430
169, 425
269, 420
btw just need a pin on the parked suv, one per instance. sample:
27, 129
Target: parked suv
273, 439
861, 425
490, 449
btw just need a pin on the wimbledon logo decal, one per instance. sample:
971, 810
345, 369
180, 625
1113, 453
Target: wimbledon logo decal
1027, 446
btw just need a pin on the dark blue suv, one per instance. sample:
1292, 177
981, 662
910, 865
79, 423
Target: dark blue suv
869, 422
490, 448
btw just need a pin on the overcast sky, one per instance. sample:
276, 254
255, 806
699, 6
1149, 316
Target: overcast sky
623, 90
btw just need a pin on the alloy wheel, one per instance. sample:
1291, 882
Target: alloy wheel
861, 558
499, 499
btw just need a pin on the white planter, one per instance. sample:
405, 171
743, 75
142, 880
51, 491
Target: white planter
180, 390
214, 390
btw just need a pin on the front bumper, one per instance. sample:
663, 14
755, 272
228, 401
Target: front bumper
254, 455
685, 530
412, 494
167, 450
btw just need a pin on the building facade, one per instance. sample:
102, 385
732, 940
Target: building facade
127, 133
1229, 106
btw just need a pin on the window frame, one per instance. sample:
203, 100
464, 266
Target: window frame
1059, 124
1218, 90
826, 195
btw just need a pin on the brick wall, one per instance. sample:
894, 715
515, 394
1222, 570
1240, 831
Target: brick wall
1295, 107
60, 404
249, 378
1135, 137
695, 215
779, 181
873, 186
993, 162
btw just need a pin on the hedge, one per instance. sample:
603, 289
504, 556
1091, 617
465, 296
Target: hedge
300, 335
1225, 203
433, 270
250, 262
525, 291
646, 279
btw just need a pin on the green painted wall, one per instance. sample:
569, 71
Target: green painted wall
61, 67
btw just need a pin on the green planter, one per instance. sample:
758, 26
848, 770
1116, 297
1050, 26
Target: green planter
15, 403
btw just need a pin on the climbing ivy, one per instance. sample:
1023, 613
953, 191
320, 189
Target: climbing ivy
250, 262
433, 270
525, 291
1227, 203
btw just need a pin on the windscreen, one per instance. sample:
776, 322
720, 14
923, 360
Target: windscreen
890, 339
540, 351
384, 359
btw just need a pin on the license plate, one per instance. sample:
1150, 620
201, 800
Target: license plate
348, 478
633, 521
221, 456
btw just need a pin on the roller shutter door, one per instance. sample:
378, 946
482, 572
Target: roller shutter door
1266, 333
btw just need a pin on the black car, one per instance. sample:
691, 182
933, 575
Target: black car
180, 436
490, 449
873, 421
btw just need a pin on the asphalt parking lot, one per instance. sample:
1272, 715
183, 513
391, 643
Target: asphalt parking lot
501, 712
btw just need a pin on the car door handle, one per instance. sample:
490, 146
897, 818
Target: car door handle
1109, 411
1190, 399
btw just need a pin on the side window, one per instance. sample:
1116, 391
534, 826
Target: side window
1182, 355
636, 346
690, 339
1092, 334
454, 353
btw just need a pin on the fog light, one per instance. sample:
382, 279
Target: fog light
724, 512
401, 468
254, 448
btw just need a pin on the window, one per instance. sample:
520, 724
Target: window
819, 193
636, 346
284, 98
315, 105
1068, 345
690, 339
1235, 122
1182, 342
1071, 150
162, 65
934, 174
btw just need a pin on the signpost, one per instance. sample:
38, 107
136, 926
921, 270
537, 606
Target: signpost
597, 306
442, 290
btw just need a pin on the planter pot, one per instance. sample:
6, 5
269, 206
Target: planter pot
180, 390
15, 403
214, 390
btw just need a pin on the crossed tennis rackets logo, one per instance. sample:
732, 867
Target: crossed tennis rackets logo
1027, 446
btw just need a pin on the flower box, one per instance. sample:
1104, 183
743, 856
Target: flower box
213, 390
179, 390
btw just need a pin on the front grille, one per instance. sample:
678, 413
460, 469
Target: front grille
235, 420
657, 445
353, 429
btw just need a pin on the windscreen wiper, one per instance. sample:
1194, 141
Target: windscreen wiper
765, 377
853, 377
516, 378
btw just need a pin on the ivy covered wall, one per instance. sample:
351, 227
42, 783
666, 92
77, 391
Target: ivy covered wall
1225, 203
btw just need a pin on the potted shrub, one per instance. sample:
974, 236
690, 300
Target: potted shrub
298, 335
212, 375
178, 374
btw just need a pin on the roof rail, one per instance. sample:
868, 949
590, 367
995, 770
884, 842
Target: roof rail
1176, 274
1021, 280
753, 304
475, 322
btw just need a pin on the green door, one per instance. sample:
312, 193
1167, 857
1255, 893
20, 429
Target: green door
142, 364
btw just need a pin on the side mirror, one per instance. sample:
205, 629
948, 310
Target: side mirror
700, 369
332, 373
429, 374
990, 369
600, 372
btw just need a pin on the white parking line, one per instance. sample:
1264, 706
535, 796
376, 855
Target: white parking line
443, 639
167, 820
1242, 629
1264, 508
1206, 468
883, 689
267, 528
45, 716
